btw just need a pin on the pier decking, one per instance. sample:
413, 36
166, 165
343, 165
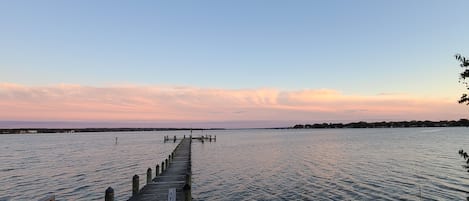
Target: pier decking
174, 181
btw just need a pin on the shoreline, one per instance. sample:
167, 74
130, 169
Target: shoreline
361, 124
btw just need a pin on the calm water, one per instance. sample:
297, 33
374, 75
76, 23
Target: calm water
331, 164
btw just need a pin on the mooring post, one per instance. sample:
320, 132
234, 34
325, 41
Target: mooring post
148, 175
169, 158
157, 170
172, 156
166, 164
135, 185
162, 167
174, 139
187, 188
109, 195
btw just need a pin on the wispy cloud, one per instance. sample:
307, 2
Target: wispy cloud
163, 103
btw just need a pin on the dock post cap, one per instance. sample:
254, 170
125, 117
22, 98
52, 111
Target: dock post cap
149, 175
135, 185
109, 194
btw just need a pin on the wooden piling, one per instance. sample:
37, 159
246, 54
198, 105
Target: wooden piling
187, 188
162, 167
109, 194
157, 170
174, 139
166, 167
148, 175
135, 185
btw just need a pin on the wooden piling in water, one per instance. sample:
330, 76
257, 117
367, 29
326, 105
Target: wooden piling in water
109, 194
135, 185
148, 175
162, 167
157, 170
187, 192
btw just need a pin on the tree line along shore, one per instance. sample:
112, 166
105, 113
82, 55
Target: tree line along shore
361, 124
80, 130
390, 124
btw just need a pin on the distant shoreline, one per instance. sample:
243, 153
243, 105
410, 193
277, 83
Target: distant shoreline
361, 124
89, 130
390, 124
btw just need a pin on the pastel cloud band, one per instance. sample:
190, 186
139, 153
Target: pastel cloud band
163, 103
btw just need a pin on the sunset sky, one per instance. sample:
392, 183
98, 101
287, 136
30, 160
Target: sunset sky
231, 63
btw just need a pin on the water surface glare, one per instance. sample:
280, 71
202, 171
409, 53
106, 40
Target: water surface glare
255, 164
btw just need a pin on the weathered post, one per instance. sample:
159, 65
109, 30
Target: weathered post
187, 188
215, 138
162, 167
135, 185
148, 175
166, 164
157, 170
109, 194
169, 158
174, 139
172, 156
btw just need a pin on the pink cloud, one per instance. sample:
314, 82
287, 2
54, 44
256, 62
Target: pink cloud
162, 103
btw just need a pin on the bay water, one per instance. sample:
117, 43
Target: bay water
250, 164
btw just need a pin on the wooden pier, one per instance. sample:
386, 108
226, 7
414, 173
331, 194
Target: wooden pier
174, 181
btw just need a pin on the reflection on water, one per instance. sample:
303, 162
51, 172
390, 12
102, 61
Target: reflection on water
332, 164
329, 164
77, 166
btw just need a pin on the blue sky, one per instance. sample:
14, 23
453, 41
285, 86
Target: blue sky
353, 46
356, 47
